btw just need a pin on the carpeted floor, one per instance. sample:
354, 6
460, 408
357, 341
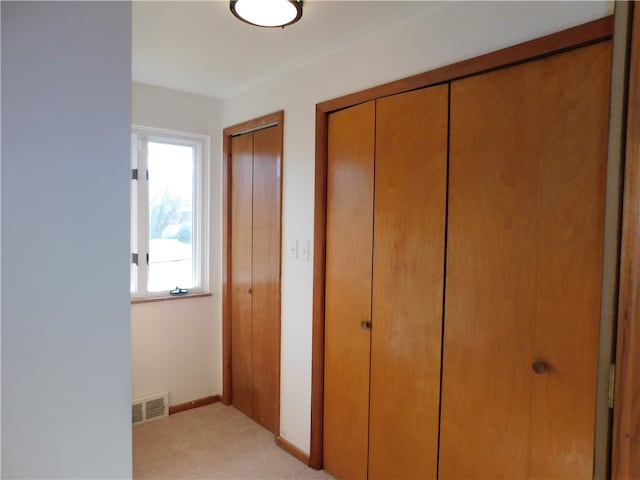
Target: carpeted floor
212, 442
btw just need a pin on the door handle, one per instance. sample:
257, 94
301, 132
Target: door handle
249, 290
365, 325
539, 367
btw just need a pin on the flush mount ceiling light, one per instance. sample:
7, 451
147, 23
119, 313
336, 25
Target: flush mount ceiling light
267, 13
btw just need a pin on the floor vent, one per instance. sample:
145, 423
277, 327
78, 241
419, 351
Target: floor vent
150, 407
136, 413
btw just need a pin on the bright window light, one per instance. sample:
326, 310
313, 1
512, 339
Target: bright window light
169, 213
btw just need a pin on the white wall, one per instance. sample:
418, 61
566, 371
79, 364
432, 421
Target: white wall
66, 79
177, 344
454, 32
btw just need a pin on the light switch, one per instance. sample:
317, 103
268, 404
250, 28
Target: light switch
293, 249
304, 249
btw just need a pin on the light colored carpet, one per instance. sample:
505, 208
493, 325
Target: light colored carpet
212, 442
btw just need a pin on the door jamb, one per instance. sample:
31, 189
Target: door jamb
626, 426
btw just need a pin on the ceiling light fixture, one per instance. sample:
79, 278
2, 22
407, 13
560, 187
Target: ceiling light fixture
267, 13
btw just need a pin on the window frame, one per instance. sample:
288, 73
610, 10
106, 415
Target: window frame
140, 136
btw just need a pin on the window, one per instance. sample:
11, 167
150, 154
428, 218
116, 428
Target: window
169, 230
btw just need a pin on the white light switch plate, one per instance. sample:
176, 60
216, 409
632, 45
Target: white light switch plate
304, 249
293, 249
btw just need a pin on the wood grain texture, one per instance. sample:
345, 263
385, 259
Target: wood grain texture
626, 412
241, 273
596, 30
227, 143
348, 290
267, 147
527, 174
319, 250
408, 281
255, 123
200, 402
164, 299
570, 268
583, 34
226, 268
292, 449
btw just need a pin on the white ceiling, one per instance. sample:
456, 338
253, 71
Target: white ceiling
200, 47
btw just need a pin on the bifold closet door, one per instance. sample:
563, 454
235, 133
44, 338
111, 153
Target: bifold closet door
408, 280
241, 268
384, 286
348, 290
526, 205
255, 271
266, 276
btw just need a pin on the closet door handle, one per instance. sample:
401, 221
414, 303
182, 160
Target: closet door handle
539, 367
365, 325
249, 290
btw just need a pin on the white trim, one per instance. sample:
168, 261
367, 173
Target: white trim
151, 131
201, 196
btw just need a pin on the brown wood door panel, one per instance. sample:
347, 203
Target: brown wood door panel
348, 290
266, 276
241, 271
408, 281
526, 204
626, 431
570, 255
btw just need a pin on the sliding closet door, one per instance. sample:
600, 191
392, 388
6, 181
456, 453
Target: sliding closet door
348, 290
241, 268
408, 269
266, 276
527, 179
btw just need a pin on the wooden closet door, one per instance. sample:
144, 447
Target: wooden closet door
241, 271
408, 280
348, 290
526, 204
266, 276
